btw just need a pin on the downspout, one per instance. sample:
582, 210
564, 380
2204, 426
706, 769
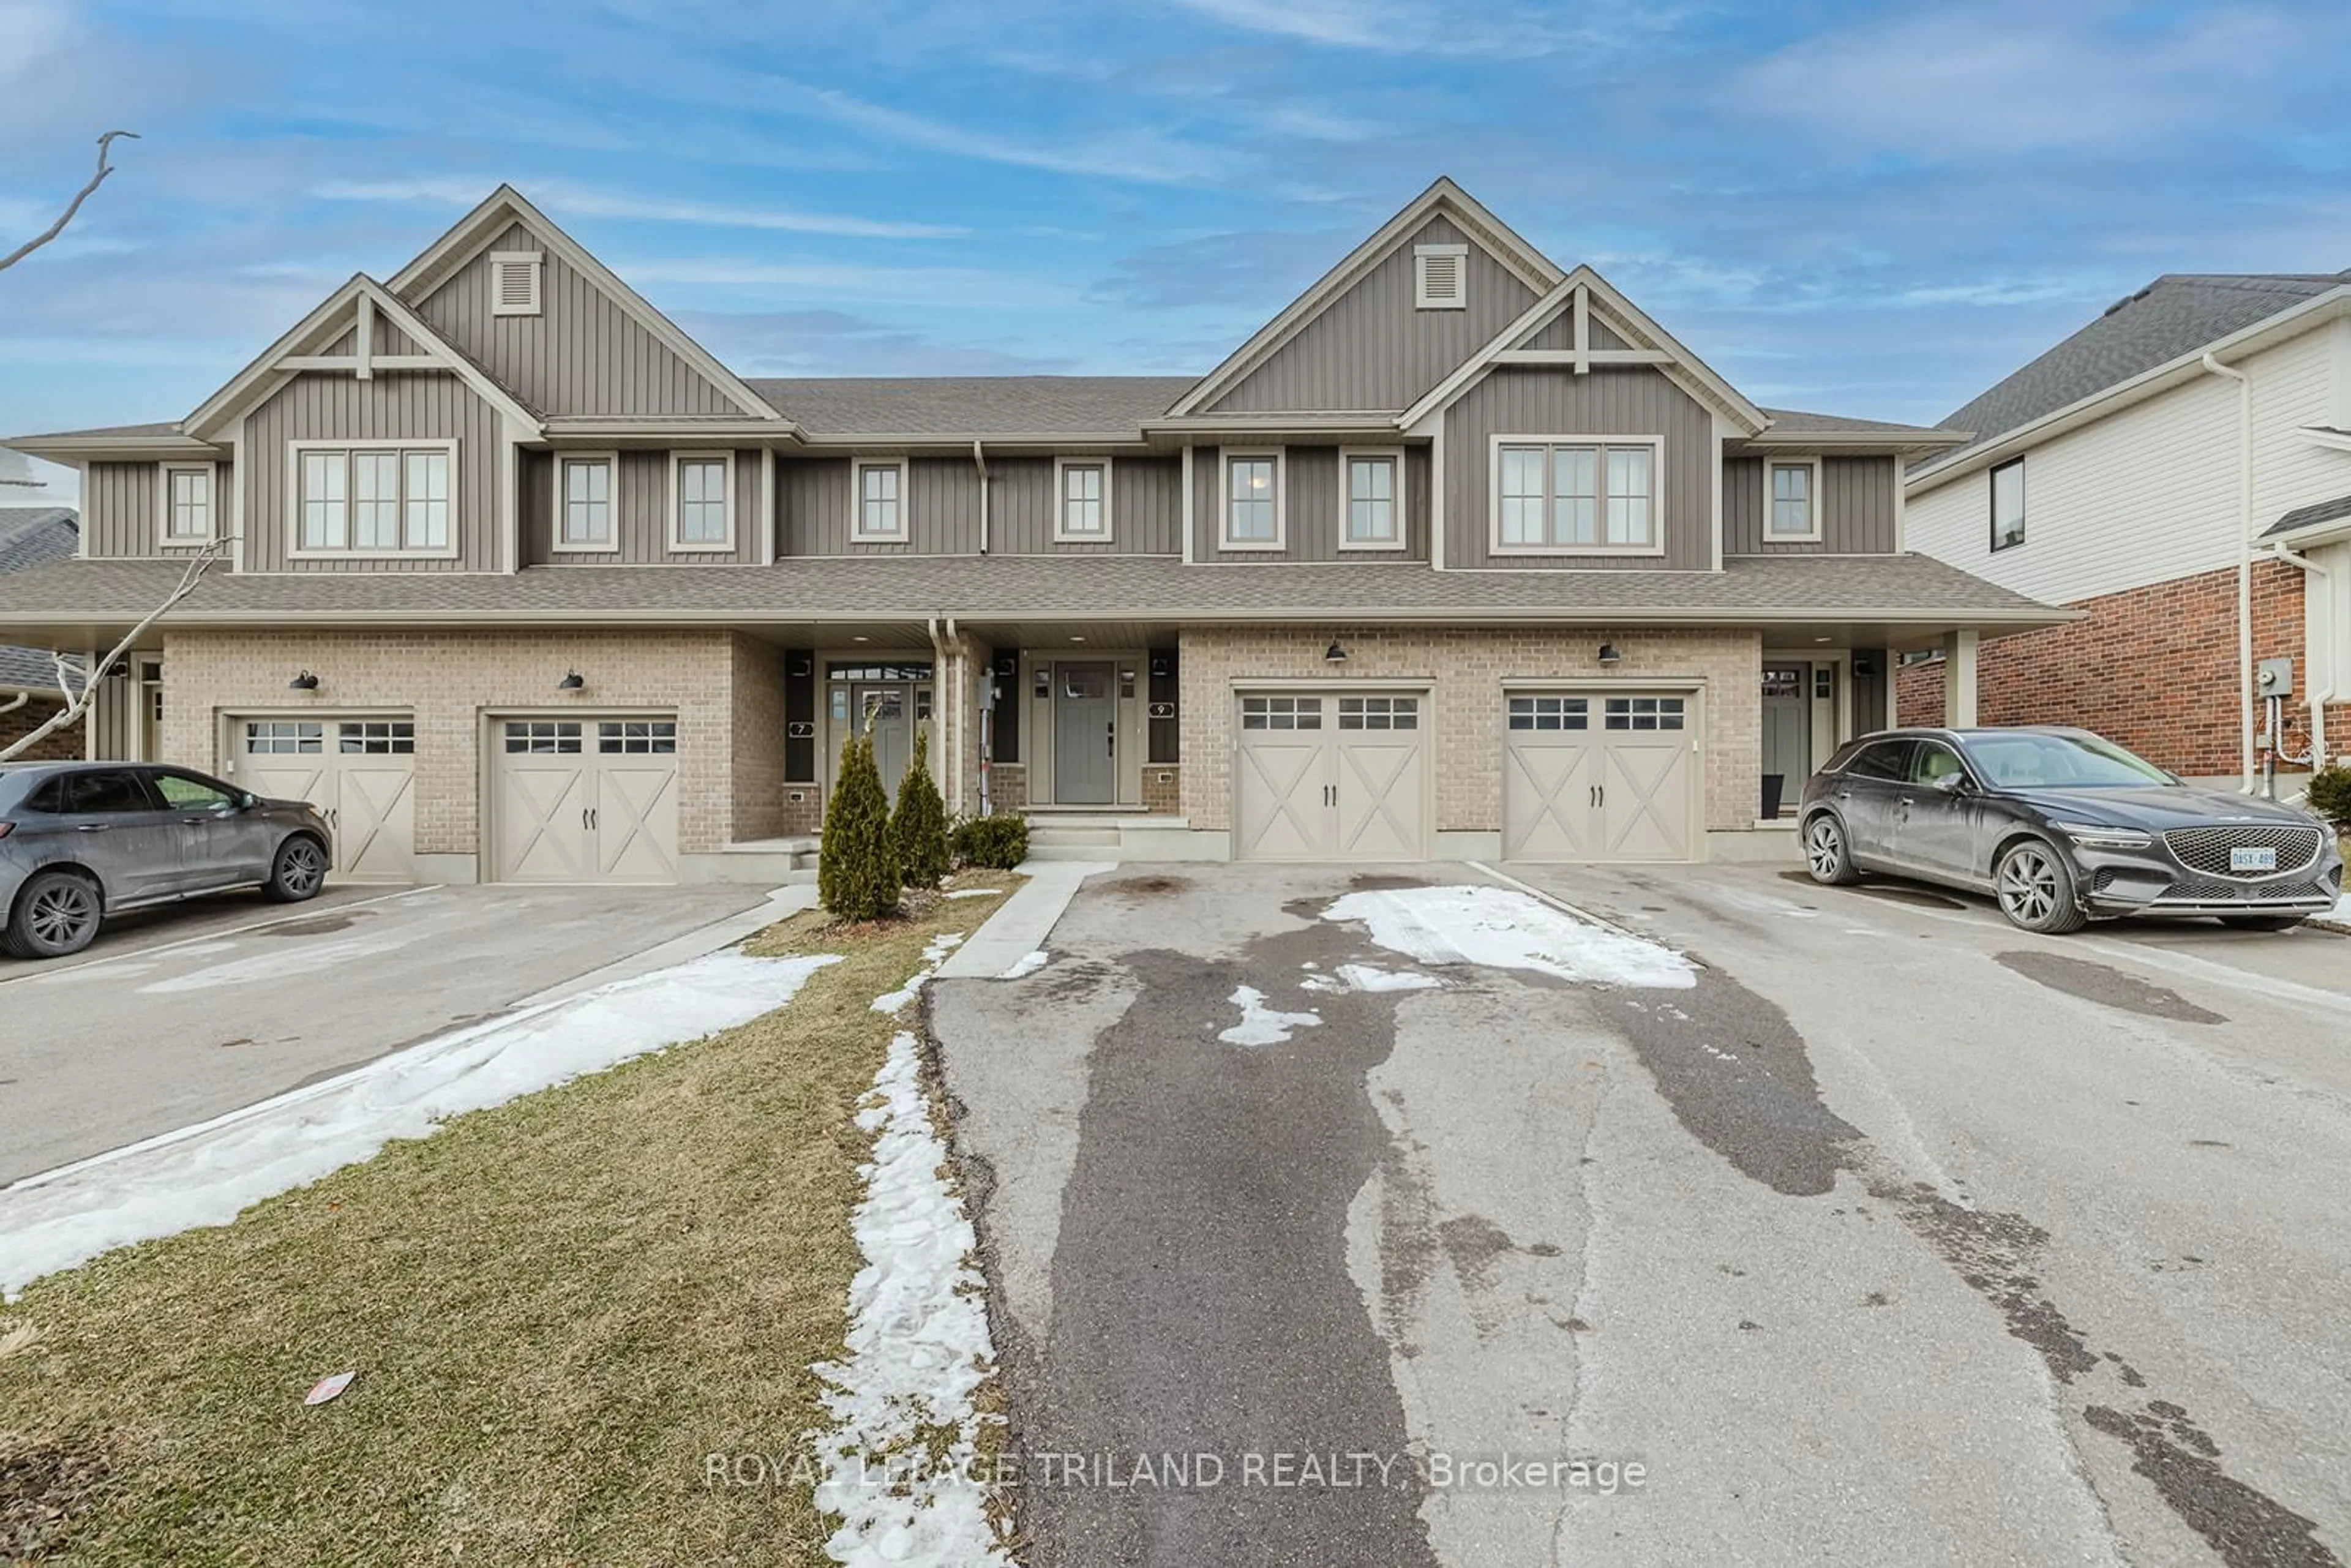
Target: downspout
979, 461
938, 686
954, 755
2319, 696
2244, 562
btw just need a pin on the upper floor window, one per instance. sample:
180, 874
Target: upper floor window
2008, 504
1374, 499
584, 506
375, 500
1598, 496
1253, 517
1084, 489
702, 501
1439, 276
1795, 500
188, 503
880, 500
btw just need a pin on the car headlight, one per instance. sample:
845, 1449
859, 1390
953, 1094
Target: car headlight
2090, 835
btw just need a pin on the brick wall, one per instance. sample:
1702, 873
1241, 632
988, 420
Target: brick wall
1466, 669
1163, 789
61, 746
2154, 669
447, 679
1008, 788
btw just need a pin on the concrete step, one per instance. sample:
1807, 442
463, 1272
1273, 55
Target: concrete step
1102, 836
1109, 852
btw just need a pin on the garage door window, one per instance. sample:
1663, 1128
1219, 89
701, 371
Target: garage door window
1645, 713
1550, 713
543, 738
285, 739
637, 738
376, 738
1379, 713
1281, 713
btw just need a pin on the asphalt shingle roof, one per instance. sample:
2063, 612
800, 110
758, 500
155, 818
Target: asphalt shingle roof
2176, 314
2304, 517
1798, 421
33, 537
971, 405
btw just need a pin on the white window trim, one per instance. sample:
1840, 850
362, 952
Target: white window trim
1225, 461
678, 546
164, 538
1061, 465
1812, 497
535, 265
555, 519
1420, 299
1656, 545
1348, 454
293, 510
1992, 506
857, 466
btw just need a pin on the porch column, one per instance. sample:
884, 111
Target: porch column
1959, 680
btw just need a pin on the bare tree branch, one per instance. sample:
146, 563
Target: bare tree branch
55, 229
78, 704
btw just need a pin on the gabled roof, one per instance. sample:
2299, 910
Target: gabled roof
506, 206
1538, 271
2177, 316
262, 379
1105, 408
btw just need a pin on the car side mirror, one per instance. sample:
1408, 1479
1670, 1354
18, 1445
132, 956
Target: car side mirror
1953, 784
247, 801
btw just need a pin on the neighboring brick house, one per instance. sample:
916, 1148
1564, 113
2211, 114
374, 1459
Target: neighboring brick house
29, 695
1462, 554
2131, 474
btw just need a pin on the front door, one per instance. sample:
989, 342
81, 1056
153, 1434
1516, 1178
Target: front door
1085, 733
886, 712
1788, 729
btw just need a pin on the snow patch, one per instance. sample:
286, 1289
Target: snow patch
1369, 977
918, 1350
1503, 928
206, 1174
1029, 963
939, 949
976, 893
1262, 1025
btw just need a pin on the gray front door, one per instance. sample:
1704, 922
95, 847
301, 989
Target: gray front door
1787, 727
1085, 733
886, 714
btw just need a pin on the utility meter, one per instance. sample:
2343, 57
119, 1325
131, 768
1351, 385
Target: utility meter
2274, 678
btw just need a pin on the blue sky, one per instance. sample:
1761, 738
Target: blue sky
1864, 209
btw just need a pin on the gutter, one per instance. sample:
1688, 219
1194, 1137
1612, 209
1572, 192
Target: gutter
2319, 696
2245, 561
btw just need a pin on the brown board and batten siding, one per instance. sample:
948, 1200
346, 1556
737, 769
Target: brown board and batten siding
1605, 402
1312, 516
1371, 349
121, 511
581, 355
1857, 509
640, 524
404, 407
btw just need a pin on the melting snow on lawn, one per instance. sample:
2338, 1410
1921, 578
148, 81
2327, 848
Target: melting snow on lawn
1262, 1025
1506, 930
207, 1174
895, 1001
918, 1351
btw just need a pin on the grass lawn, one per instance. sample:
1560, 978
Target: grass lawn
558, 1309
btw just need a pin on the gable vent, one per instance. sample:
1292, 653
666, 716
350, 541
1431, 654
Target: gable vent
1439, 280
513, 282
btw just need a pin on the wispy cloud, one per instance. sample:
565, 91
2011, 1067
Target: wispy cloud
833, 342
562, 197
1138, 154
1385, 26
850, 281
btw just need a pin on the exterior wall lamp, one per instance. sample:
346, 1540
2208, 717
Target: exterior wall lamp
1335, 654
305, 681
1609, 656
570, 683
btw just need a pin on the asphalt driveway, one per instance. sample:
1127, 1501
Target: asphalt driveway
168, 1022
1886, 1233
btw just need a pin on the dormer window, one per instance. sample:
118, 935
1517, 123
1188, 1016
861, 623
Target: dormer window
514, 282
1439, 276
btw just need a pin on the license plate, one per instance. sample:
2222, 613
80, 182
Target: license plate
2244, 859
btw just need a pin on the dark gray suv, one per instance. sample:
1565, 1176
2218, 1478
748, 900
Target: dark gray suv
81, 841
2062, 827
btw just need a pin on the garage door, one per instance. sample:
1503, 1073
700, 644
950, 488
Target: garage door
1599, 777
1330, 777
584, 801
360, 771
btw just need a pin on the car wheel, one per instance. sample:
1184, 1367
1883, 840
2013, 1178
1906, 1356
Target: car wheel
2260, 922
299, 871
57, 912
2036, 890
1826, 855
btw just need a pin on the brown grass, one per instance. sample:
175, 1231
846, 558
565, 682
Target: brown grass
558, 1310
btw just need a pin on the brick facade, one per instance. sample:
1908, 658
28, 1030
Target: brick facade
1163, 789
1466, 669
61, 746
1008, 788
727, 692
2154, 669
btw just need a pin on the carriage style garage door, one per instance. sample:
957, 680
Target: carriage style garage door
1598, 776
584, 799
360, 771
1324, 776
